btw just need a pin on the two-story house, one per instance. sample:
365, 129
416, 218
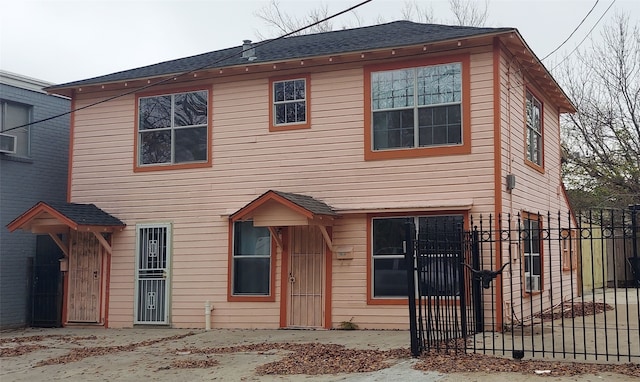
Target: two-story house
273, 180
33, 167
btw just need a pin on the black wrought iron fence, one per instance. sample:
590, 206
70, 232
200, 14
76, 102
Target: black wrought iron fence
529, 284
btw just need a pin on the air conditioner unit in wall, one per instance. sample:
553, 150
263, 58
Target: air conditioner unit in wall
8, 143
532, 282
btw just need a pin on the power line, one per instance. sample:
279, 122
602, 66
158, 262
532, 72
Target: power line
525, 82
196, 69
585, 37
572, 33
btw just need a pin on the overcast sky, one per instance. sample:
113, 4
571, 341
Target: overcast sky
61, 41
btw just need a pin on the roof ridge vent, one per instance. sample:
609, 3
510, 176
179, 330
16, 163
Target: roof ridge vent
248, 51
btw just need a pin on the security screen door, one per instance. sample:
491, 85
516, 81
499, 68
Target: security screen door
152, 273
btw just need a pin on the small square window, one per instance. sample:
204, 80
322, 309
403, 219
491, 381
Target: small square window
289, 103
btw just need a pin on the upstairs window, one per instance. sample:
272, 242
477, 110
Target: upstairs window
173, 129
289, 103
14, 114
417, 107
534, 130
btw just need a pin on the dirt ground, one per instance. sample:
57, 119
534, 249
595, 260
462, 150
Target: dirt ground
81, 354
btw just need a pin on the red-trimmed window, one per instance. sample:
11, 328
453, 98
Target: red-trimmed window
533, 259
251, 260
534, 130
418, 108
438, 261
289, 100
173, 129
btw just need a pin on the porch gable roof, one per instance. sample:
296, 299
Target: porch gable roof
85, 217
305, 205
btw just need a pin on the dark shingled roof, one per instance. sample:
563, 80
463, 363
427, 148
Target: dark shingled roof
390, 35
307, 202
86, 214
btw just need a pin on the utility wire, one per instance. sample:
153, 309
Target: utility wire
572, 33
173, 77
524, 83
585, 37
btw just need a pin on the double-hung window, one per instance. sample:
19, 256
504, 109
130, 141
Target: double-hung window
439, 255
417, 107
12, 115
531, 226
173, 129
289, 103
251, 267
534, 129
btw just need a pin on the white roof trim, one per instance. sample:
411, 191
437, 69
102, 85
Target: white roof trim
23, 82
427, 205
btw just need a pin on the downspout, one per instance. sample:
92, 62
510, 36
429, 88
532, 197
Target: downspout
208, 308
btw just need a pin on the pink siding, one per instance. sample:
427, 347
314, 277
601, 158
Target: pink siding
325, 161
535, 191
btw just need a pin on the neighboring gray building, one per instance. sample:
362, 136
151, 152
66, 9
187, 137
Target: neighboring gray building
33, 169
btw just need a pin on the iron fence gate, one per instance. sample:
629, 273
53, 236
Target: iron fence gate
548, 285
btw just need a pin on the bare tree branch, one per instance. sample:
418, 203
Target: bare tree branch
469, 12
412, 11
282, 22
279, 22
602, 140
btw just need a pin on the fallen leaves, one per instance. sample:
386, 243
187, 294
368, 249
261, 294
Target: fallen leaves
318, 358
17, 345
574, 309
468, 363
194, 364
84, 352
313, 358
40, 338
19, 350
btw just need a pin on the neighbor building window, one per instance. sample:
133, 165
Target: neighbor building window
251, 267
289, 103
173, 128
12, 115
439, 255
531, 226
534, 129
417, 107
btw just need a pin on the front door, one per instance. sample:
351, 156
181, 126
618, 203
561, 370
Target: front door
85, 277
154, 248
306, 278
